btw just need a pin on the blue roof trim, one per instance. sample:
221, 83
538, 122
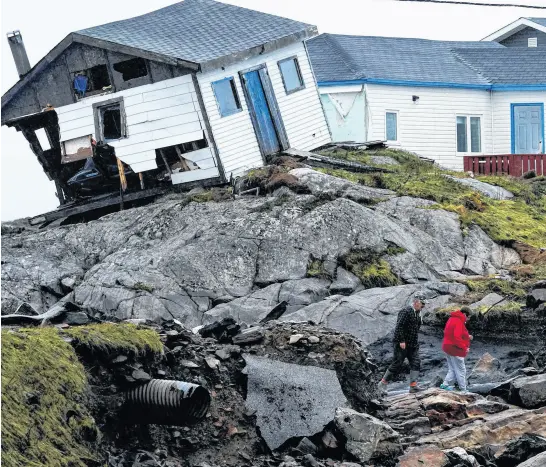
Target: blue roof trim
434, 84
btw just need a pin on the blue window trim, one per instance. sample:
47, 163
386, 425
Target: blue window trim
236, 95
513, 122
437, 84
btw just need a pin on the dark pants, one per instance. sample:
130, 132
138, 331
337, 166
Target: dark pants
411, 353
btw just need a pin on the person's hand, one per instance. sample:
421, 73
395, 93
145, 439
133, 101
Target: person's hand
403, 345
471, 337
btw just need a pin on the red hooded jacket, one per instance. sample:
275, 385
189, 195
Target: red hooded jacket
456, 337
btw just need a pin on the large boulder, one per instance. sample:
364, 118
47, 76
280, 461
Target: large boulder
491, 191
487, 370
529, 391
371, 314
367, 437
520, 449
536, 297
287, 401
536, 461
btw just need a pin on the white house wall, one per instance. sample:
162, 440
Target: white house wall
428, 126
157, 115
344, 107
301, 112
502, 115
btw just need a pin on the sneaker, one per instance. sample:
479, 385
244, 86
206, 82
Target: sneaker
446, 387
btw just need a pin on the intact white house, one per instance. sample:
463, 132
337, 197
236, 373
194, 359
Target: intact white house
439, 99
199, 90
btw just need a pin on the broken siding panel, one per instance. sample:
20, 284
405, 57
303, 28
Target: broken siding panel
194, 175
159, 115
428, 126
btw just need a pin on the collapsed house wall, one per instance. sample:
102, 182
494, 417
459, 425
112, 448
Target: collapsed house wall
157, 115
301, 111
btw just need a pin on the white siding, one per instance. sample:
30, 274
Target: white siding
158, 115
301, 112
502, 115
428, 126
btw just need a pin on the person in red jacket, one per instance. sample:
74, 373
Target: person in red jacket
456, 345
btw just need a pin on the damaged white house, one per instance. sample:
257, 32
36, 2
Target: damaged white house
197, 91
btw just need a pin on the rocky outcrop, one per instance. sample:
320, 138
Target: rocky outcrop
536, 461
491, 191
367, 437
529, 391
287, 401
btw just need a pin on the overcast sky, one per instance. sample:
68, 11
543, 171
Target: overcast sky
25, 189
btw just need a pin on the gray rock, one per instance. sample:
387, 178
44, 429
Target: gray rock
76, 318
370, 314
487, 370
323, 184
68, 283
249, 336
367, 437
287, 400
222, 354
536, 297
461, 457
345, 283
490, 300
491, 191
383, 160
537, 461
141, 376
306, 446
530, 390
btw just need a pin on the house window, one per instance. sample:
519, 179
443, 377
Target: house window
226, 96
91, 81
469, 126
131, 69
109, 120
532, 42
291, 75
391, 126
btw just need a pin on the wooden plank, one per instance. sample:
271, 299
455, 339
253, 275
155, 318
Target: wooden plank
487, 165
193, 175
525, 163
475, 165
466, 163
160, 133
198, 155
541, 162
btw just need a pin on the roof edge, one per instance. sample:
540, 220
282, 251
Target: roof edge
271, 46
437, 84
512, 28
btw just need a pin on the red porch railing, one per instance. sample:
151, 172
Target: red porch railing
506, 164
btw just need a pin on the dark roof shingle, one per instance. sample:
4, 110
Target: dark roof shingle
198, 30
423, 61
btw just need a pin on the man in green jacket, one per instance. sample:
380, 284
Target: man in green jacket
406, 344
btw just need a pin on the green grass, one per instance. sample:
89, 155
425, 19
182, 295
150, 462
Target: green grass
45, 419
38, 364
316, 268
370, 268
522, 219
123, 337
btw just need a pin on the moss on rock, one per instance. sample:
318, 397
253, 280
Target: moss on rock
45, 414
370, 268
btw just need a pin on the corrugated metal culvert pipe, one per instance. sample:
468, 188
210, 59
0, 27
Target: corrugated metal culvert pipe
167, 402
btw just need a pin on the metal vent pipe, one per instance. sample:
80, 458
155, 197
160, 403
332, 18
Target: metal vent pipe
167, 402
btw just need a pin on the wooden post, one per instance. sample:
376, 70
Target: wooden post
141, 178
122, 179
165, 161
182, 160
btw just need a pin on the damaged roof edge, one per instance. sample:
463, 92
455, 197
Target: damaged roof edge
271, 46
86, 40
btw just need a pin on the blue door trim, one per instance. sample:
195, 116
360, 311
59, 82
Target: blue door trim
513, 122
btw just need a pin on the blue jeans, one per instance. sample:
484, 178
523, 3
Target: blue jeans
456, 372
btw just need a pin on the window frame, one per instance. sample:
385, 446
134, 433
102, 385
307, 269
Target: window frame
235, 91
468, 128
397, 140
97, 106
298, 71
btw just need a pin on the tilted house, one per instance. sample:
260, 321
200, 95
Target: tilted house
441, 99
199, 90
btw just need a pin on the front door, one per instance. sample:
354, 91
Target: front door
261, 112
528, 129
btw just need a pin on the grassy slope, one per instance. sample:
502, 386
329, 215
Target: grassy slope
44, 416
522, 219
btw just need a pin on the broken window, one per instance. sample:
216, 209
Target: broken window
291, 75
109, 120
131, 69
172, 157
91, 81
226, 96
